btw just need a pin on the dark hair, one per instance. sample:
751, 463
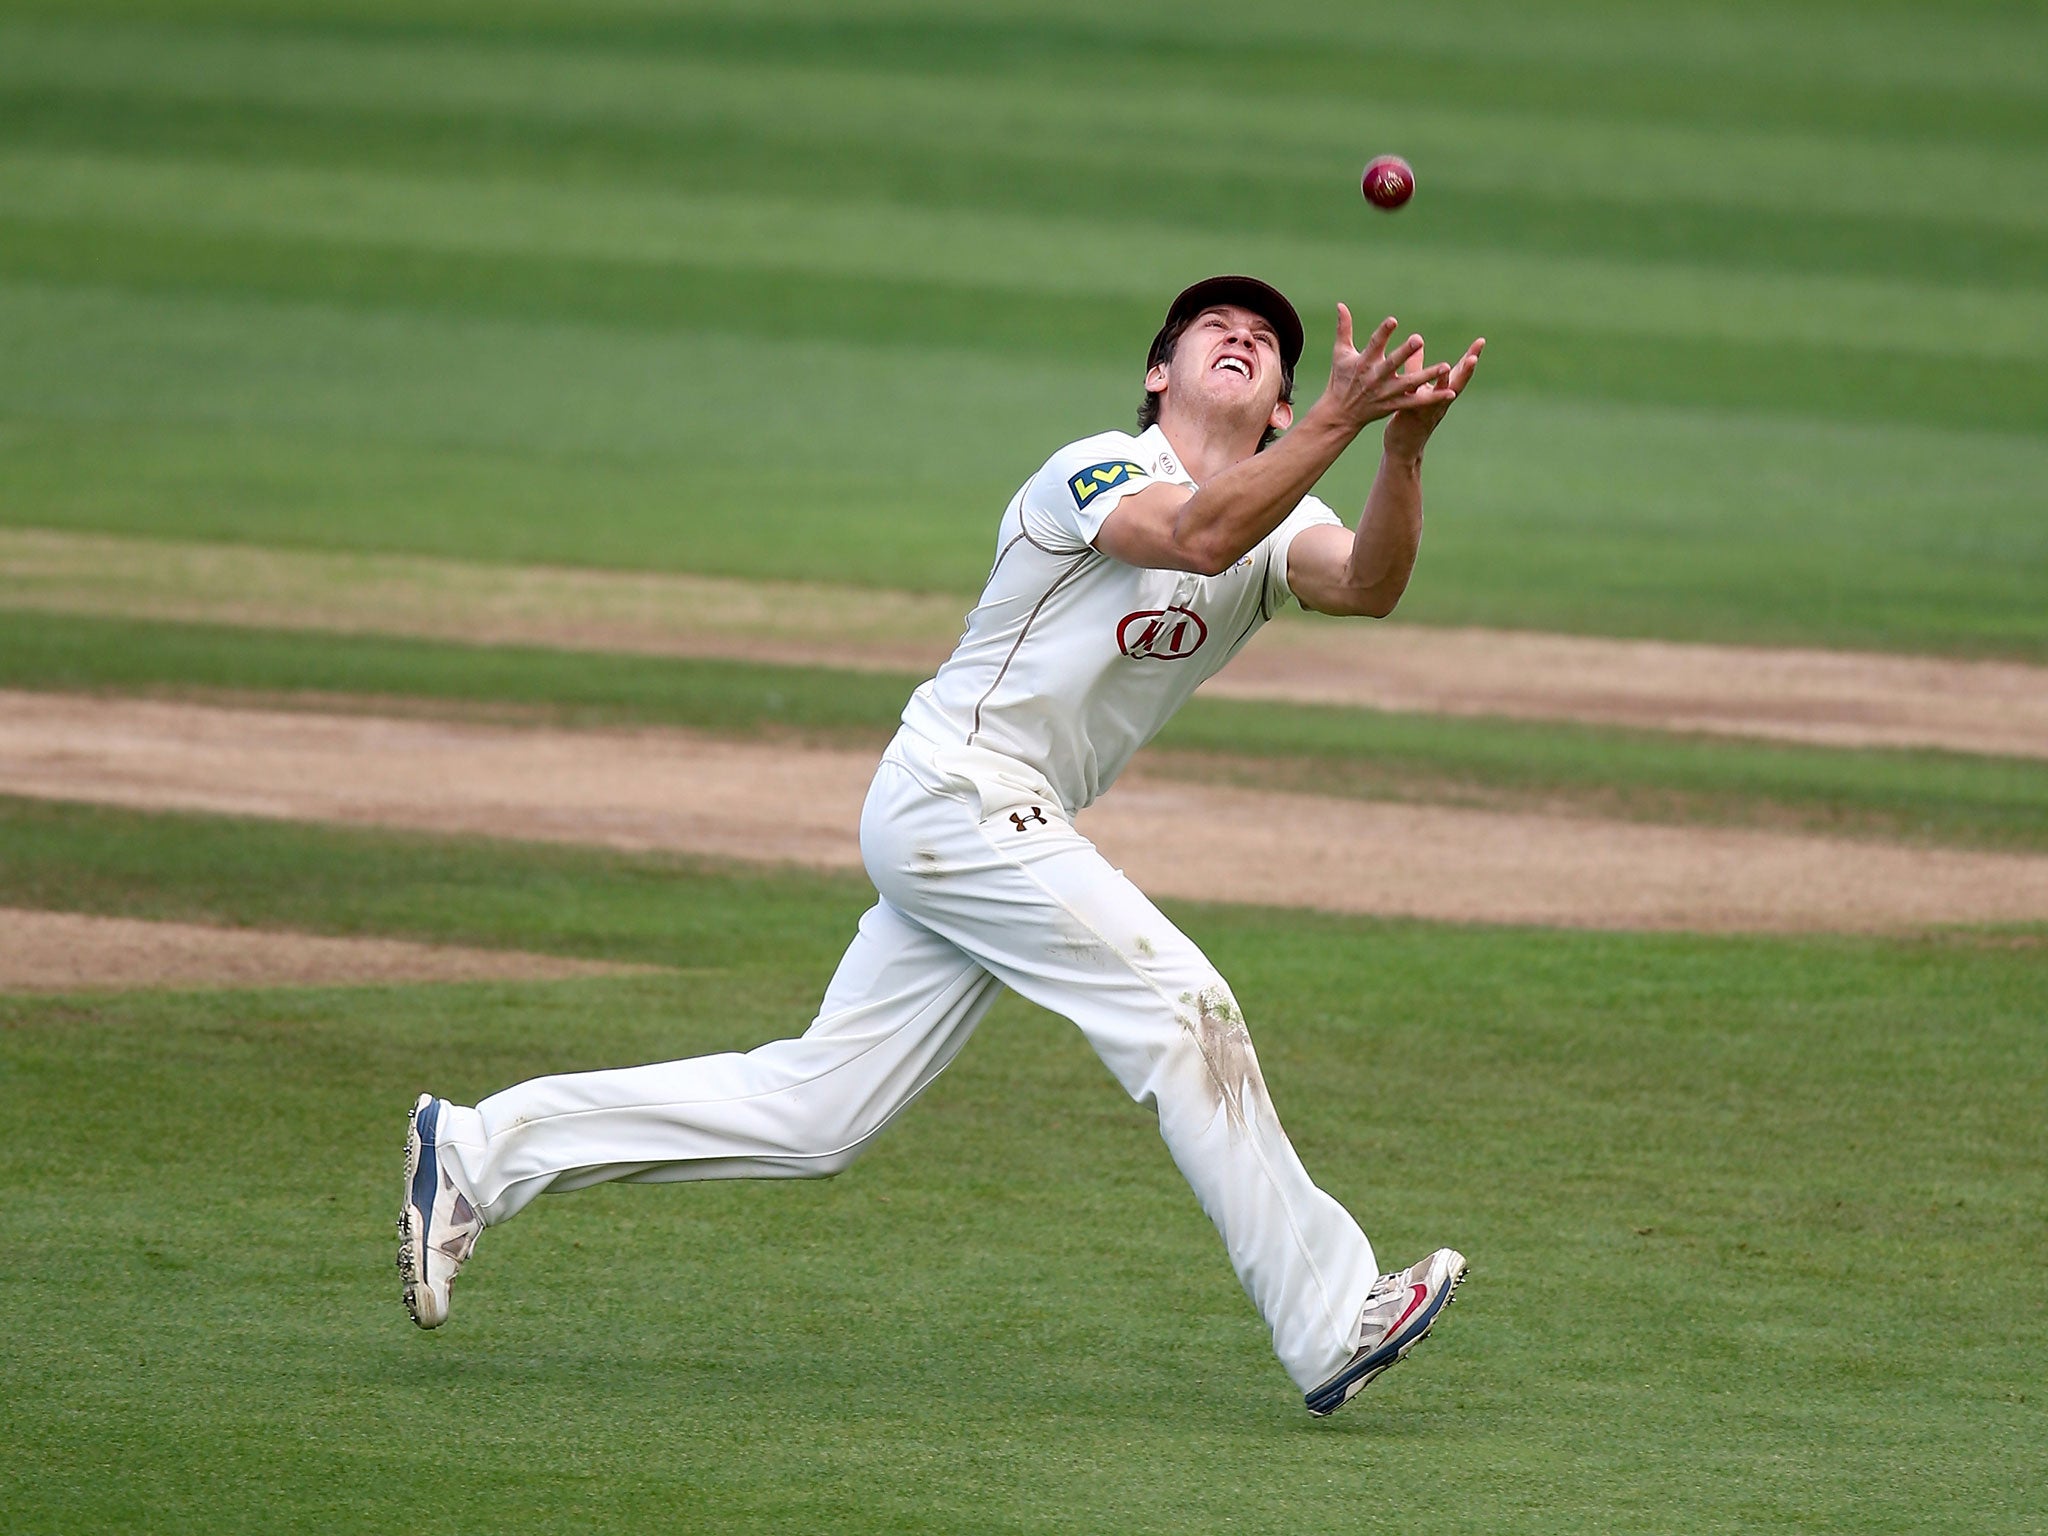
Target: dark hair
1162, 351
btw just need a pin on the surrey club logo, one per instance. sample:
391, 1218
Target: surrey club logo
1161, 634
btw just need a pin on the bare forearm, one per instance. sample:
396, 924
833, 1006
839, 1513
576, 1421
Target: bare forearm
1230, 514
1366, 572
1389, 532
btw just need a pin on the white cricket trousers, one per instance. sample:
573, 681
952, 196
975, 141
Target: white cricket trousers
974, 896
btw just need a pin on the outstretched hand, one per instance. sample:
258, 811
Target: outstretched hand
1411, 424
1369, 383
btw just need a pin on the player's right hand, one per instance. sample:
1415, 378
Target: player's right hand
1367, 384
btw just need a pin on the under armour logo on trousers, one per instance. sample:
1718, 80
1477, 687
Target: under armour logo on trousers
1021, 820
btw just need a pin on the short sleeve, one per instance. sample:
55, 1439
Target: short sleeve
1311, 513
1063, 505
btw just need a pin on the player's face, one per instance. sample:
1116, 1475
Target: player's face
1228, 357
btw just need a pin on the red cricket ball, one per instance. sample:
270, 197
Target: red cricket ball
1389, 182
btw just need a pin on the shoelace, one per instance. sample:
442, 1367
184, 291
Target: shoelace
1380, 1299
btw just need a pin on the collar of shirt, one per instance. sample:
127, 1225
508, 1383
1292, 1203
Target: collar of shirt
1159, 459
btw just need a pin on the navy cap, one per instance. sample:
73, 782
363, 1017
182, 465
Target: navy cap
1262, 299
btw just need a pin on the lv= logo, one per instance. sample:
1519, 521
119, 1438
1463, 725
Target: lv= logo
1022, 820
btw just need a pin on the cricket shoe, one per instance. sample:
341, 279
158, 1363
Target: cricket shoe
1399, 1312
438, 1222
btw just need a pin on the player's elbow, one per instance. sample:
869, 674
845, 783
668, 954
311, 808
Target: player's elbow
1359, 602
1206, 556
1200, 546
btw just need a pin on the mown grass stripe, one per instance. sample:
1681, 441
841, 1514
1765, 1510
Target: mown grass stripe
1277, 193
1817, 79
582, 902
1808, 380
1061, 255
885, 464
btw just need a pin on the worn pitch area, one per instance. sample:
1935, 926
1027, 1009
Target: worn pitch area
72, 951
674, 790
1821, 697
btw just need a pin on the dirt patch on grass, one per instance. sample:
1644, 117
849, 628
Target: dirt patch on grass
1822, 698
635, 613
673, 790
1829, 698
72, 951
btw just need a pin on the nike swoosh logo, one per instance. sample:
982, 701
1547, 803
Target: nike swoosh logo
1421, 1294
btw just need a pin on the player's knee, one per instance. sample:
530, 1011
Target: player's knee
839, 1148
829, 1165
1206, 1006
1207, 1026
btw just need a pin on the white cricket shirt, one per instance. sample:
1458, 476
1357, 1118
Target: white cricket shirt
1073, 660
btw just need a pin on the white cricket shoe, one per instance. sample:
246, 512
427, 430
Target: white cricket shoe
1399, 1311
438, 1221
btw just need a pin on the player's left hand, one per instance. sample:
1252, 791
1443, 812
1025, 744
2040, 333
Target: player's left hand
1408, 430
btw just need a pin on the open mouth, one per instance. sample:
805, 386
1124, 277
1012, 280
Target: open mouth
1232, 364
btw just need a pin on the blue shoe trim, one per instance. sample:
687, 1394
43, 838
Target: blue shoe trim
1329, 1397
426, 1176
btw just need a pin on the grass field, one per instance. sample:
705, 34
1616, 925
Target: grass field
804, 290
1757, 1228
689, 287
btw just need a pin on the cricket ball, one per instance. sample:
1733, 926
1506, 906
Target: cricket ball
1389, 182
